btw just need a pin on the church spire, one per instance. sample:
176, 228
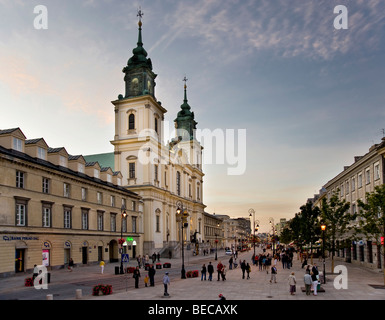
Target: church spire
139, 58
139, 78
185, 105
185, 122
140, 15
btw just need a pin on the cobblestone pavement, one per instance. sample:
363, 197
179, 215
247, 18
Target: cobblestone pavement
63, 284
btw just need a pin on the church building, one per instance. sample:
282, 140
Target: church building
168, 176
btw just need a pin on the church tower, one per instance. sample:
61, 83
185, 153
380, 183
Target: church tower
139, 78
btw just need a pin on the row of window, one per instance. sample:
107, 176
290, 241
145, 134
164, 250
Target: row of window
22, 217
131, 173
345, 187
46, 188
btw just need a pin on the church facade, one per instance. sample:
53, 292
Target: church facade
166, 176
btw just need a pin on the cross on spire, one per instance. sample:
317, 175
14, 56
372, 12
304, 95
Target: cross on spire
140, 14
185, 82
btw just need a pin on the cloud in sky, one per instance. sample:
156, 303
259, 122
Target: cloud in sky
310, 96
286, 28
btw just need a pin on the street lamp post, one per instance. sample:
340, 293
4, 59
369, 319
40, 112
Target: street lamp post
123, 215
323, 228
182, 213
252, 212
273, 237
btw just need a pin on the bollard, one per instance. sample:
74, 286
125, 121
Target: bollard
49, 297
78, 293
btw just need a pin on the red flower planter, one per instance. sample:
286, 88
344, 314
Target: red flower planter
192, 274
102, 289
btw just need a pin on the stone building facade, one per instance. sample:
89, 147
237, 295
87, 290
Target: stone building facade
55, 206
352, 184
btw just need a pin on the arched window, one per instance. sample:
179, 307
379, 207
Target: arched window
131, 122
178, 183
156, 124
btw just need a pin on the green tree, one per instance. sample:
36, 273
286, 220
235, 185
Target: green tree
286, 235
335, 214
310, 230
372, 217
304, 227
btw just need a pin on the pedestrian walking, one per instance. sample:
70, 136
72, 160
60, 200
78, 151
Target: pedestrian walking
146, 280
70, 265
243, 268
203, 272
219, 269
264, 262
235, 263
308, 282
35, 272
139, 260
248, 270
273, 274
166, 283
284, 259
151, 275
223, 273
231, 263
210, 270
275, 261
308, 271
136, 276
292, 283
314, 283
304, 263
101, 264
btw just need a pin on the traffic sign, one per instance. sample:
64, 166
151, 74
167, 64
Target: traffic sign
125, 258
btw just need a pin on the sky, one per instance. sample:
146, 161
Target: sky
308, 96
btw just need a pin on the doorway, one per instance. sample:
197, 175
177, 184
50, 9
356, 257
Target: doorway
114, 251
19, 260
84, 255
100, 253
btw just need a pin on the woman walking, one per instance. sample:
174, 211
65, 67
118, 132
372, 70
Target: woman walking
223, 273
273, 274
292, 283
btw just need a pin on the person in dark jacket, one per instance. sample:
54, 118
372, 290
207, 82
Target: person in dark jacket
151, 274
136, 276
243, 267
210, 270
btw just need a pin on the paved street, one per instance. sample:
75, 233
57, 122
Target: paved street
64, 284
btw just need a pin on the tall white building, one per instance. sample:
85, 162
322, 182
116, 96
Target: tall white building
164, 175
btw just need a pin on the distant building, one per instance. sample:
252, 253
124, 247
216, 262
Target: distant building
280, 226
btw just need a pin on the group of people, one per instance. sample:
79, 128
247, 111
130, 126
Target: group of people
267, 262
142, 261
150, 278
221, 270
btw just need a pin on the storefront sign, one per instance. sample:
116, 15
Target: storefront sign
18, 238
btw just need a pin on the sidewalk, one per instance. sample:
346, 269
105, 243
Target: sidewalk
64, 284
258, 287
